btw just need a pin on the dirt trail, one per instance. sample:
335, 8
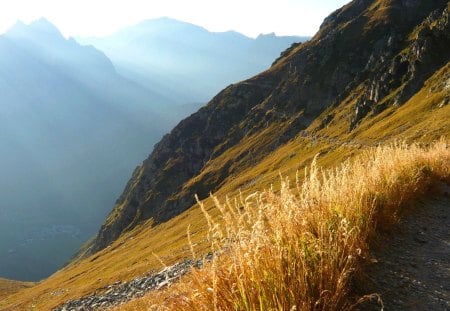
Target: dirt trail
412, 271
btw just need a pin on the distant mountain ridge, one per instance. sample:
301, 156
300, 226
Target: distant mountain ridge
163, 54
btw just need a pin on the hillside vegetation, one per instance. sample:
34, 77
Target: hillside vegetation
299, 248
8, 287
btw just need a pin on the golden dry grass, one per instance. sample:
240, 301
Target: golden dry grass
298, 249
8, 287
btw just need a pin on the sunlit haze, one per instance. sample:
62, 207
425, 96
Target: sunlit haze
102, 17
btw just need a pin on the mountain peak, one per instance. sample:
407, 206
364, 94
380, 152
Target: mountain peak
164, 20
18, 26
41, 27
43, 24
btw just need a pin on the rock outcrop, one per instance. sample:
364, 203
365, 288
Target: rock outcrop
120, 292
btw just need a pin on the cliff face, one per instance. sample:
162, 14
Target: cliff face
377, 52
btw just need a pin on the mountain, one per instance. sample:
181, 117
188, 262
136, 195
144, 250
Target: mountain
313, 82
162, 54
377, 72
71, 131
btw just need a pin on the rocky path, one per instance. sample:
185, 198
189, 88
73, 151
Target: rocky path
412, 270
121, 292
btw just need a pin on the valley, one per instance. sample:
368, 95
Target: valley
72, 130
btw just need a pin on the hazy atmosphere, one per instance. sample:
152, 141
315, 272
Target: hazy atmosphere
102, 17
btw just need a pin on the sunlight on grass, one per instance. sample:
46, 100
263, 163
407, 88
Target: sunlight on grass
298, 249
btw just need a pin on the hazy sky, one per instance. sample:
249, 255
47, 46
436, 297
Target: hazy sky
100, 17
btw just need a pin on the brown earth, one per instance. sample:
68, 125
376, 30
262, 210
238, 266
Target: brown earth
410, 268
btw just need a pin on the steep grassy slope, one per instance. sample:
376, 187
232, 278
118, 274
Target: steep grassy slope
9, 287
334, 73
302, 248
